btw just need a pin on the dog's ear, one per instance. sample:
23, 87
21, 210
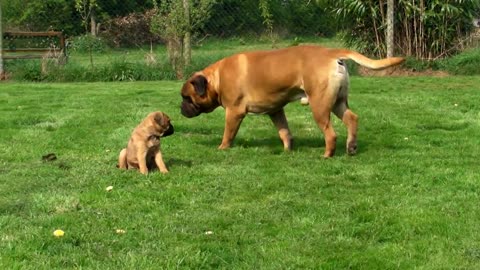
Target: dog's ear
160, 118
200, 84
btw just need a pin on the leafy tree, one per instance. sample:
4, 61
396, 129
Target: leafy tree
282, 17
116, 8
106, 10
41, 15
86, 8
62, 15
174, 21
233, 18
267, 15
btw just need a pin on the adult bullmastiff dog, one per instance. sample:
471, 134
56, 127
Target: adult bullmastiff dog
263, 82
143, 149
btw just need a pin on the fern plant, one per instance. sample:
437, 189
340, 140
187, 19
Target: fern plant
425, 29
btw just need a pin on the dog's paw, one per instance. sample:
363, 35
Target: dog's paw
304, 101
352, 149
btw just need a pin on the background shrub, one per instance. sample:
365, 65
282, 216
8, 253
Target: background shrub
26, 70
132, 30
88, 42
465, 63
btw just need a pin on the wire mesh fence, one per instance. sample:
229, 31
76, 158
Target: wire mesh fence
128, 23
101, 25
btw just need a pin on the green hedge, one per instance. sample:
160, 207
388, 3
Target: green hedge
465, 63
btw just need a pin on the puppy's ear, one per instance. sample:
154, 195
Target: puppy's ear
200, 84
160, 118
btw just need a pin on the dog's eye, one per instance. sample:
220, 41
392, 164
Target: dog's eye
187, 98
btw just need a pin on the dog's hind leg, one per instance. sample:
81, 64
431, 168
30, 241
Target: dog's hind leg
280, 121
320, 101
122, 159
350, 120
340, 83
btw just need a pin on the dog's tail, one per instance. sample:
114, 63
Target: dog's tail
367, 62
122, 159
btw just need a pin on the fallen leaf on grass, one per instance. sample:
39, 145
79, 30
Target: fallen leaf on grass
49, 157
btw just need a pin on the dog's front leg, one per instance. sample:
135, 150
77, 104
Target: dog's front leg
142, 159
233, 119
159, 161
280, 121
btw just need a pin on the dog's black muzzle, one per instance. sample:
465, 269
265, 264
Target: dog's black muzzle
189, 109
168, 132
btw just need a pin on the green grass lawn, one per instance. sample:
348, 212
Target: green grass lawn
208, 51
139, 64
408, 199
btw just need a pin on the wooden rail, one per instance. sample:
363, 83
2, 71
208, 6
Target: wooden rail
34, 52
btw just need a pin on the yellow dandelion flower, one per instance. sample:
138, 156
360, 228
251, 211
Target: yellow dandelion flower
58, 233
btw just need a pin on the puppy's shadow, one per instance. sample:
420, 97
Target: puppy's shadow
152, 167
178, 163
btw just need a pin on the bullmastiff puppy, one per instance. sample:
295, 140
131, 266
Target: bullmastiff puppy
143, 149
263, 82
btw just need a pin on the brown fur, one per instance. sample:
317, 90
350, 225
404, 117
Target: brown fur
263, 82
143, 149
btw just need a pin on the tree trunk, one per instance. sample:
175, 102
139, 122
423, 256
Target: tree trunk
93, 23
390, 27
187, 47
2, 71
175, 53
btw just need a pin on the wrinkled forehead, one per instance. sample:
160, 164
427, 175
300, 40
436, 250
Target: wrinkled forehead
187, 87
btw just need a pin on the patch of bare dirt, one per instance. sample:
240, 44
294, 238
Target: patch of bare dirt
400, 72
4, 76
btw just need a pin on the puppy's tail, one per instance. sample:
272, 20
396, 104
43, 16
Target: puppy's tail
122, 159
367, 62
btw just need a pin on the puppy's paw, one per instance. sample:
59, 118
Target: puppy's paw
223, 146
329, 154
304, 101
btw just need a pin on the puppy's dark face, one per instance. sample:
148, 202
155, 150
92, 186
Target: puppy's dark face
197, 98
164, 126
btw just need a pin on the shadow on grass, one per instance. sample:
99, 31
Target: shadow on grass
274, 143
178, 163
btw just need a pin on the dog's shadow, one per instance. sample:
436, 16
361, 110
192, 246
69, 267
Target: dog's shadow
275, 143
